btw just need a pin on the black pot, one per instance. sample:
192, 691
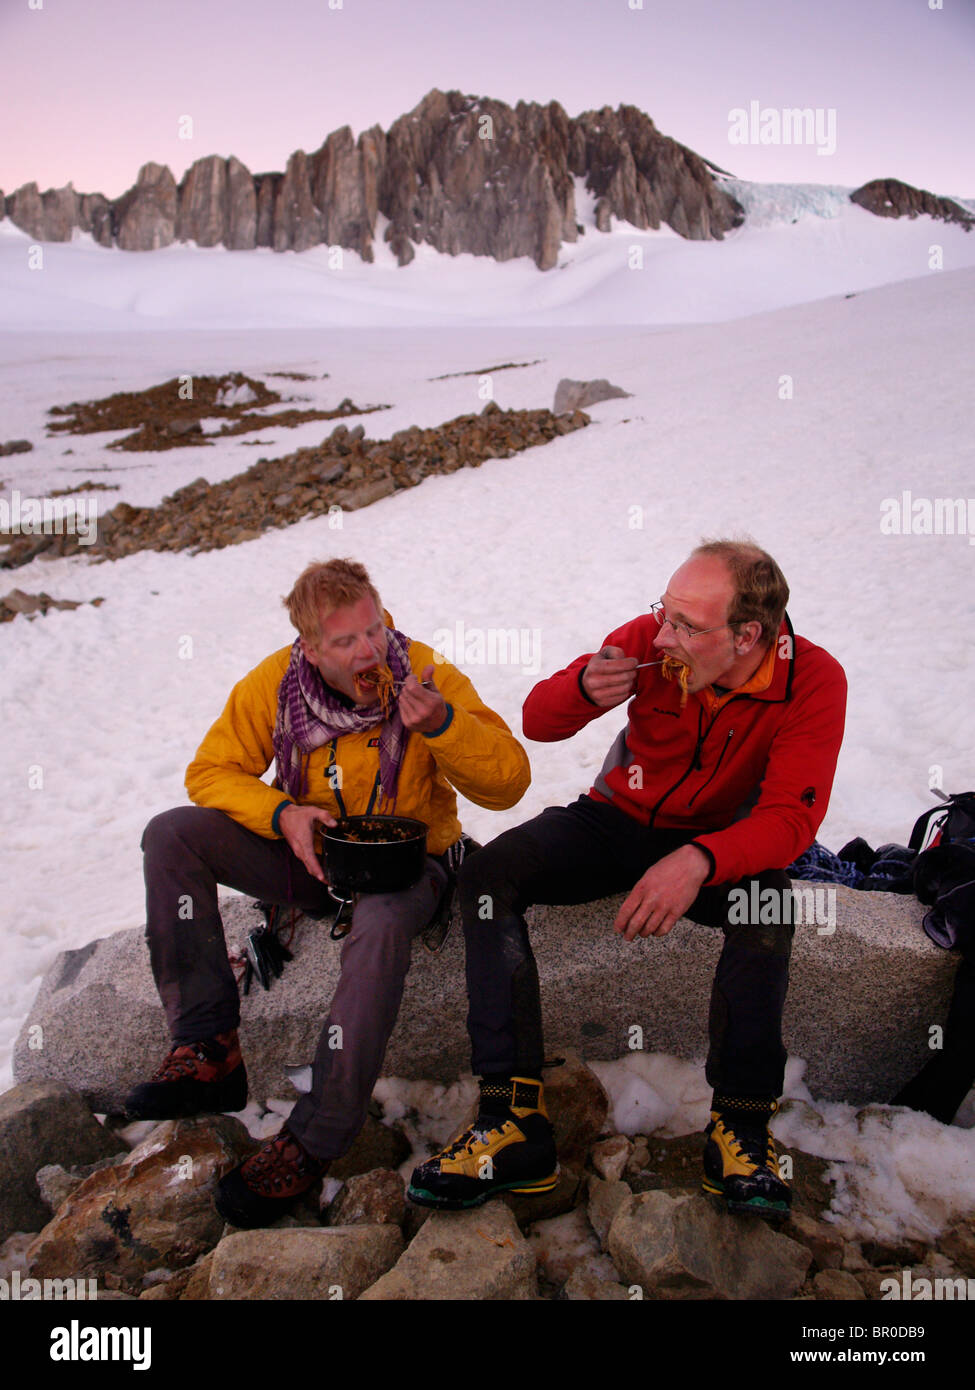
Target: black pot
373, 854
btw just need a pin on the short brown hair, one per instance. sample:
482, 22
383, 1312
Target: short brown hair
761, 592
321, 588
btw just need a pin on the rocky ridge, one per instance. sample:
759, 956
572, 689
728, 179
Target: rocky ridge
460, 173
346, 471
891, 198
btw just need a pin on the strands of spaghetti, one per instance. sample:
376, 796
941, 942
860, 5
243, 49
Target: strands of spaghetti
380, 679
673, 670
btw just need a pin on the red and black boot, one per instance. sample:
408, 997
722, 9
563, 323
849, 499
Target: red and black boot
268, 1184
201, 1078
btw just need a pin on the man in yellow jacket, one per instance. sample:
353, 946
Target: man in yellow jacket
358, 719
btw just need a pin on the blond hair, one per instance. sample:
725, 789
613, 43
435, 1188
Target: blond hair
321, 588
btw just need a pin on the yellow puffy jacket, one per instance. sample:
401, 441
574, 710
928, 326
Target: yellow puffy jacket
475, 752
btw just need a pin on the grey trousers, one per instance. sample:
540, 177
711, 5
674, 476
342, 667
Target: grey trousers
188, 852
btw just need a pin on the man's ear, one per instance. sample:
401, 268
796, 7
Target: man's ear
307, 652
746, 637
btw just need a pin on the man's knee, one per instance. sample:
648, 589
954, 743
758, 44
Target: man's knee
181, 826
488, 882
761, 913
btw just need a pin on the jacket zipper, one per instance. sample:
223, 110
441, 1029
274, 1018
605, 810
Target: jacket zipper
715, 772
693, 766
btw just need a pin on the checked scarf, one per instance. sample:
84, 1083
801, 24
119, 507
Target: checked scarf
310, 714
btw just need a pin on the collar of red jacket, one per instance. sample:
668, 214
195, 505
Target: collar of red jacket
773, 679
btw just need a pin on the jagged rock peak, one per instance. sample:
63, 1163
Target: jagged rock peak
891, 198
462, 173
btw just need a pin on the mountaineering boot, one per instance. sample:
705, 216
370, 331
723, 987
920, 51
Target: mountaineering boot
510, 1147
201, 1078
267, 1185
740, 1162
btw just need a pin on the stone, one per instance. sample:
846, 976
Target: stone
871, 1281
376, 1146
821, 1240
204, 211
344, 178
576, 395
153, 1209
577, 1105
901, 1253
606, 1199
561, 1243
891, 198
15, 446
42, 1123
879, 966
594, 1280
146, 214
19, 602
241, 207
13, 1254
610, 1157
328, 1263
50, 216
197, 1286
959, 1245
353, 499
683, 1248
477, 1255
297, 221
56, 1183
837, 1284
376, 1198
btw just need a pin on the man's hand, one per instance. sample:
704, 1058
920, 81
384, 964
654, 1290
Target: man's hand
610, 677
421, 709
663, 894
298, 828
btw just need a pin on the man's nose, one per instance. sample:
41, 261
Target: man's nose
664, 639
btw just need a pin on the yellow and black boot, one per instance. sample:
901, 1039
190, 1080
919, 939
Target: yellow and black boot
510, 1147
740, 1162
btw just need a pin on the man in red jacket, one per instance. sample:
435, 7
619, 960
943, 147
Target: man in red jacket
720, 779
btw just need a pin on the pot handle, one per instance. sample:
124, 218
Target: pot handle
345, 906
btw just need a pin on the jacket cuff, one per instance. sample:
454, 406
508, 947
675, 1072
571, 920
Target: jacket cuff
582, 689
276, 818
444, 726
711, 860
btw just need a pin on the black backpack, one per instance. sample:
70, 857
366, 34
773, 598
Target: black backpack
944, 871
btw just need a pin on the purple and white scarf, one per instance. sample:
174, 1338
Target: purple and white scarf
310, 714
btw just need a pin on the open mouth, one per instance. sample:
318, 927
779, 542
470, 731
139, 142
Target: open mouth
673, 670
375, 680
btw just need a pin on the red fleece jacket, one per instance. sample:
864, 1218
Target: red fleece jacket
751, 782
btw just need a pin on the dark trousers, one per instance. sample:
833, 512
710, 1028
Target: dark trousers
191, 850
589, 850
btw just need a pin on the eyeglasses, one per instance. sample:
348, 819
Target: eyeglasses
681, 629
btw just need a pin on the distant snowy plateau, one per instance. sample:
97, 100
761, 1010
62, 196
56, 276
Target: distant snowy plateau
787, 382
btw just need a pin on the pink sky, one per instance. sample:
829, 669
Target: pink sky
93, 90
